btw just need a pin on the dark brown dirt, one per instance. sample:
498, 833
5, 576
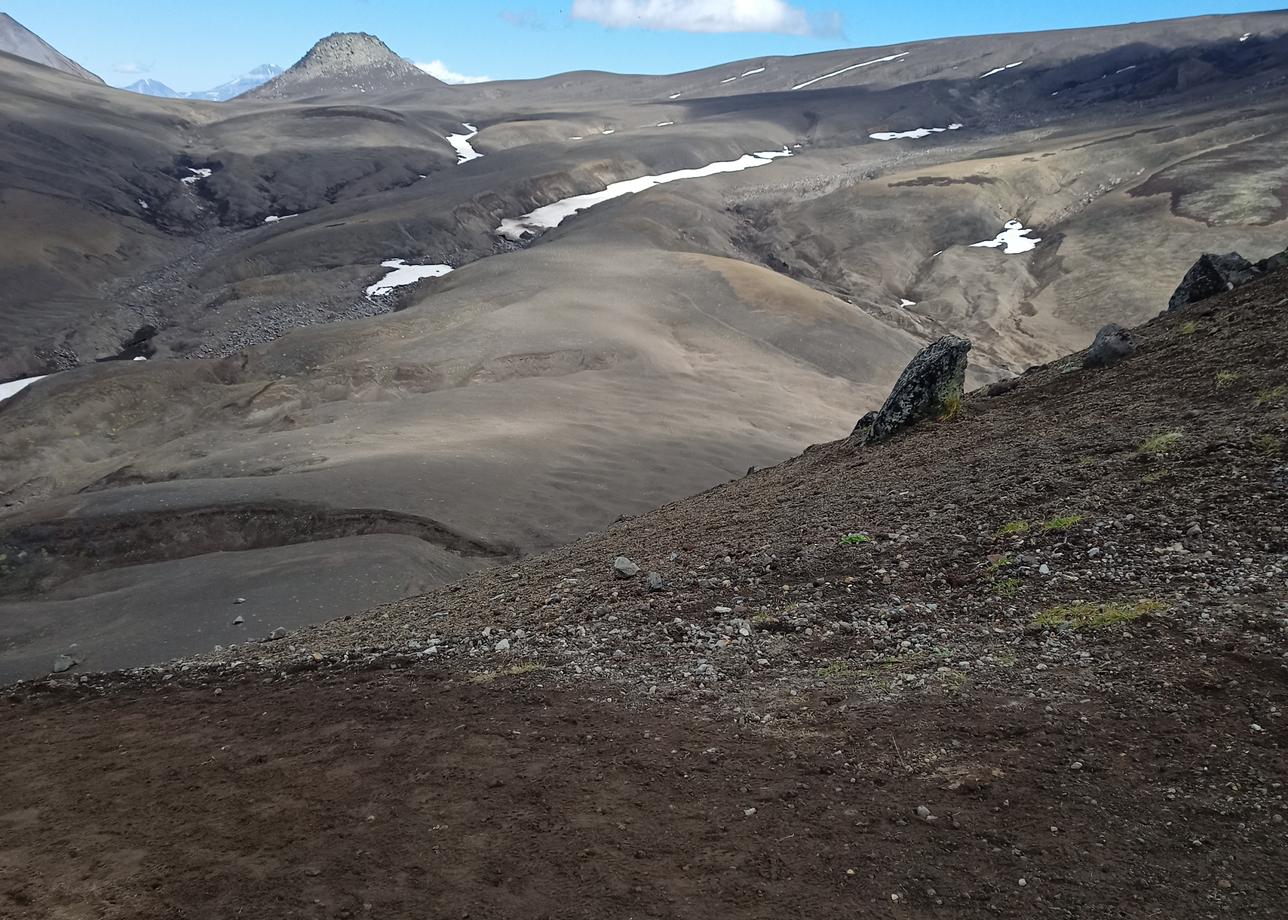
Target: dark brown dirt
602, 758
397, 795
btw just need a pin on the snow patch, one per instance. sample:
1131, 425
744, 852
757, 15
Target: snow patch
13, 387
274, 218
609, 131
552, 215
751, 73
913, 134
837, 73
1000, 69
905, 302
1013, 239
664, 124
197, 176
729, 80
143, 204
404, 274
461, 144
674, 96
1245, 36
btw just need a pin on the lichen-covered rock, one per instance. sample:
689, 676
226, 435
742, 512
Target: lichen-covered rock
930, 387
1215, 274
1112, 344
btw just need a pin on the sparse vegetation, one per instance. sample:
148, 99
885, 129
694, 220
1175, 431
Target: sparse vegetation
1086, 615
1161, 443
1062, 522
1266, 443
1007, 587
1189, 327
855, 539
1225, 379
1156, 476
1012, 528
1270, 396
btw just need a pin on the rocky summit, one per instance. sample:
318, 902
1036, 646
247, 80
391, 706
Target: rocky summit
346, 64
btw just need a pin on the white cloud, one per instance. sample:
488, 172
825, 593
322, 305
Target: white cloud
447, 75
132, 68
705, 16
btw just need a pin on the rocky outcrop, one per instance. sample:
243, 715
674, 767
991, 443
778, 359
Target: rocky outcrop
1112, 344
346, 64
930, 387
1215, 274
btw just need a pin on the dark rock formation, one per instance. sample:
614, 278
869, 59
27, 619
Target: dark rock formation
1112, 344
930, 387
1214, 274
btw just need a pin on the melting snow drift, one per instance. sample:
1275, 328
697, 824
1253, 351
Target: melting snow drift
552, 215
1014, 238
404, 274
913, 134
197, 175
461, 144
837, 73
13, 387
274, 218
1000, 69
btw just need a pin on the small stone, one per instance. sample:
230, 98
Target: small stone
655, 582
502, 646
63, 663
749, 812
923, 811
625, 568
279, 633
1044, 569
238, 621
722, 609
239, 600
1076, 765
1023, 882
1224, 883
1093, 552
618, 653
1193, 530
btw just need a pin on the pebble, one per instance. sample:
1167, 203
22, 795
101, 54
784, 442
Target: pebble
239, 600
63, 663
502, 646
923, 811
655, 582
239, 621
1044, 569
749, 812
279, 633
623, 567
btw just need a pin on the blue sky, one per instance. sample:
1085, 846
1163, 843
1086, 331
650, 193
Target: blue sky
193, 46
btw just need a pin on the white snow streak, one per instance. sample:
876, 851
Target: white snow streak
403, 274
837, 73
274, 218
913, 134
197, 175
1245, 36
461, 144
752, 72
14, 387
1013, 239
552, 215
1000, 69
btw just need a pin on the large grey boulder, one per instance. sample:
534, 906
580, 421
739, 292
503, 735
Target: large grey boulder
930, 387
1215, 274
1111, 345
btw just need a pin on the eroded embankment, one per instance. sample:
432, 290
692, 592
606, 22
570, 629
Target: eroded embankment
36, 557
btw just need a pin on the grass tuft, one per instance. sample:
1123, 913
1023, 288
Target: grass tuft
1064, 522
1161, 443
1012, 529
1086, 615
1270, 397
1189, 328
854, 539
1225, 379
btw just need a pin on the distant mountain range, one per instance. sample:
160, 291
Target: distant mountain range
220, 93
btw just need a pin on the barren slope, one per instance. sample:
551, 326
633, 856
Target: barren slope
1079, 716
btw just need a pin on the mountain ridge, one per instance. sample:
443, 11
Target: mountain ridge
18, 40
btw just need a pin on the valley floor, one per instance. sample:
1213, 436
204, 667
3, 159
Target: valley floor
1028, 662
